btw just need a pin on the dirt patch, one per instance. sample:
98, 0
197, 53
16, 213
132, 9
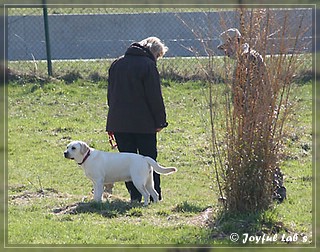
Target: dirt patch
204, 219
24, 197
69, 209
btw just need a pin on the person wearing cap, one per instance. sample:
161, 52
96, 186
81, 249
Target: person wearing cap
136, 107
230, 42
251, 88
248, 60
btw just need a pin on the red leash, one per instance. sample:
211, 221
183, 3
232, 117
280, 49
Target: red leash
112, 140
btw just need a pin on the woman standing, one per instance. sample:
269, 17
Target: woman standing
136, 107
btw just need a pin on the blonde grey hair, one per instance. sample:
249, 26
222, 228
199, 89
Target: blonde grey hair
155, 45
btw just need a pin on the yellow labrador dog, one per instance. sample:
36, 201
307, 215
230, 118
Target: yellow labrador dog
106, 167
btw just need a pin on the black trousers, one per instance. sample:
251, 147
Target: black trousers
143, 144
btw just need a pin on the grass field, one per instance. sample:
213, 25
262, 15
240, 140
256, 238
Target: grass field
49, 196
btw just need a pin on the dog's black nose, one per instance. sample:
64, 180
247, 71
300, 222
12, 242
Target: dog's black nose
65, 154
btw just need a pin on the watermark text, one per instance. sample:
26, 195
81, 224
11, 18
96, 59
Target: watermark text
265, 238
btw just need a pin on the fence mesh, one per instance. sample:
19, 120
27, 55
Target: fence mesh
84, 41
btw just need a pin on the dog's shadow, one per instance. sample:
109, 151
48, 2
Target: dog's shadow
108, 209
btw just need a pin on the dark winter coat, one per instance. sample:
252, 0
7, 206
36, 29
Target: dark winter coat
134, 93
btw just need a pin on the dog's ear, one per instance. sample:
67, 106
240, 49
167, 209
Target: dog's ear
83, 148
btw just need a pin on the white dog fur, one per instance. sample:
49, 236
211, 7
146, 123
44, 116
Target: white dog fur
106, 167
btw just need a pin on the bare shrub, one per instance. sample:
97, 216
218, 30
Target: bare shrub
259, 105
256, 103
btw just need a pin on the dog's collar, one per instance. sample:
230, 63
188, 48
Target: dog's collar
85, 158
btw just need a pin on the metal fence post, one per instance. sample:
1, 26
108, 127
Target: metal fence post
46, 29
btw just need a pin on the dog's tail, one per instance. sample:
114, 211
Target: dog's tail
158, 168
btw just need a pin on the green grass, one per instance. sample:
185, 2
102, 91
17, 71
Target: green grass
49, 196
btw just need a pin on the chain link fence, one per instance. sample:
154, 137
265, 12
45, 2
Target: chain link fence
84, 41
